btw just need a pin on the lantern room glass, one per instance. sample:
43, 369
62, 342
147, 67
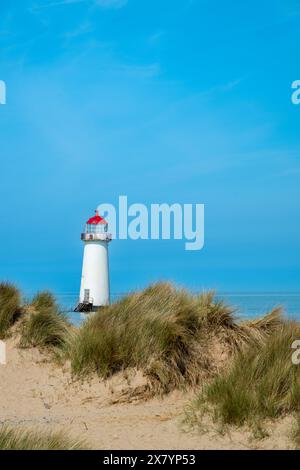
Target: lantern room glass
96, 228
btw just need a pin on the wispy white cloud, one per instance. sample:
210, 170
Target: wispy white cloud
145, 71
111, 3
155, 37
222, 88
230, 85
84, 28
41, 6
96, 3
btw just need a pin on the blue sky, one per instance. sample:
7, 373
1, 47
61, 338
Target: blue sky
183, 101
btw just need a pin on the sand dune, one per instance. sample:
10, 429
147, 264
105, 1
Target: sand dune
40, 395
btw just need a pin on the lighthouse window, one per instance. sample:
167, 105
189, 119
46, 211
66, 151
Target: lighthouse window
96, 228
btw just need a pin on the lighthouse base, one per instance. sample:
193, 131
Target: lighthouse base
84, 307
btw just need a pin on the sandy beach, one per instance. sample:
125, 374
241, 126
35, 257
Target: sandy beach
38, 394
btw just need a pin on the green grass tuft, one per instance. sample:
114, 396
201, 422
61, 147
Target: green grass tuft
22, 439
44, 325
154, 330
9, 307
261, 383
44, 300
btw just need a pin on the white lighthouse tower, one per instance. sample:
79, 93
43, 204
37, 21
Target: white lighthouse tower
94, 290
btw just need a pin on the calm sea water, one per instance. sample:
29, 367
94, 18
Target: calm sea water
248, 305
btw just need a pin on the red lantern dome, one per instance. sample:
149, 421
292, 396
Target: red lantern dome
96, 220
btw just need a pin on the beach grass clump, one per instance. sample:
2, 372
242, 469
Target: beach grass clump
262, 383
154, 330
12, 438
163, 331
44, 325
44, 300
10, 307
220, 320
215, 313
